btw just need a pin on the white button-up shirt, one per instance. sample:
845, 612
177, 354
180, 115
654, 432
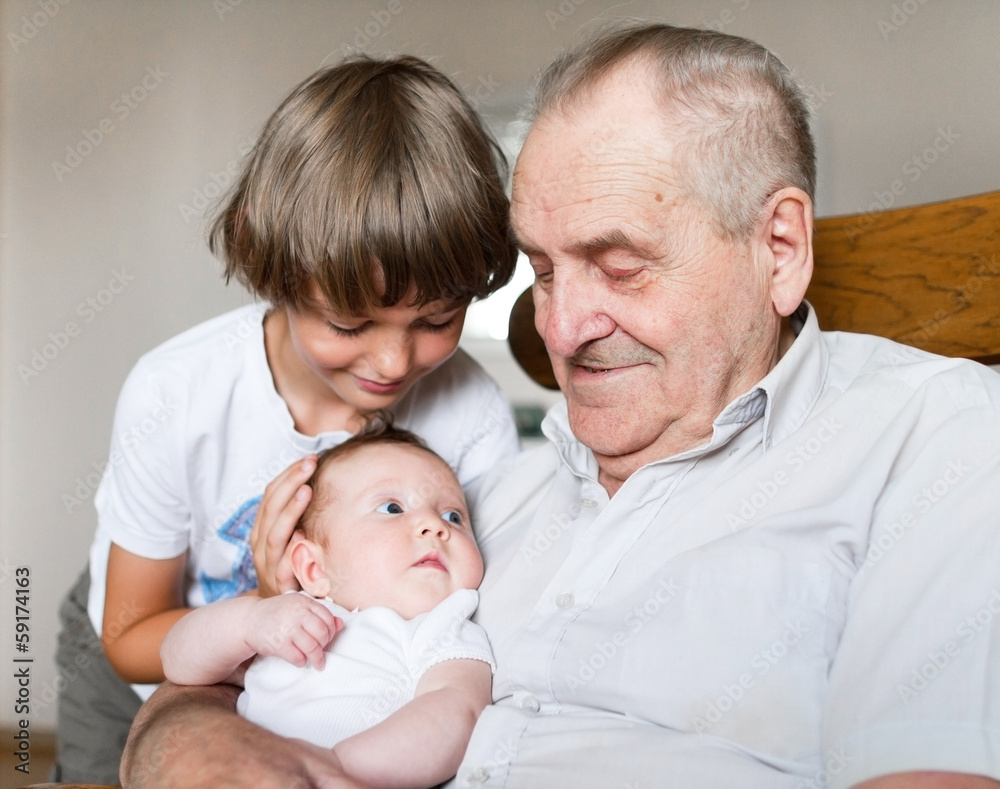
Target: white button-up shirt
808, 600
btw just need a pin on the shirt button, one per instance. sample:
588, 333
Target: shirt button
529, 702
565, 601
477, 776
589, 503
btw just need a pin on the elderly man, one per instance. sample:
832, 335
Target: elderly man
752, 554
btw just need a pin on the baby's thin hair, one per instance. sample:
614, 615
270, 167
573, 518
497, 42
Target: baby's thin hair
378, 429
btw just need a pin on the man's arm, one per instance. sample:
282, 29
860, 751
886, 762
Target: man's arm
189, 737
428, 736
930, 781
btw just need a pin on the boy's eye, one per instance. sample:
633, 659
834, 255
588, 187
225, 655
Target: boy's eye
345, 331
452, 516
390, 508
439, 322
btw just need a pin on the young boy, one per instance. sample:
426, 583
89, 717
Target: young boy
389, 567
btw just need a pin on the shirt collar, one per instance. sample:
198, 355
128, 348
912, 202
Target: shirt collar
785, 397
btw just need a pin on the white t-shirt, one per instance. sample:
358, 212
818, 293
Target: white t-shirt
808, 600
200, 430
372, 669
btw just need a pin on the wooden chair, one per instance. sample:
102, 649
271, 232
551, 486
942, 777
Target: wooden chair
927, 276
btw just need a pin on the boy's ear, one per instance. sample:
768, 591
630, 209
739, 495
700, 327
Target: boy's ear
307, 564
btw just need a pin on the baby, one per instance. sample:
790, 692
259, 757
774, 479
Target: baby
388, 567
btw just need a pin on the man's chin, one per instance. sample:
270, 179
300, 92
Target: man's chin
607, 432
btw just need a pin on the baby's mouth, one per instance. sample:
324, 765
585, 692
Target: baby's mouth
433, 561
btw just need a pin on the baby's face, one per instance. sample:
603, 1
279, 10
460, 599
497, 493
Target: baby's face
397, 531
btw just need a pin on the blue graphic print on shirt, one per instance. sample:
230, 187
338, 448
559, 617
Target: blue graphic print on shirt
243, 577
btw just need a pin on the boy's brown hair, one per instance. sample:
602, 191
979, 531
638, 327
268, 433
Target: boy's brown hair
370, 177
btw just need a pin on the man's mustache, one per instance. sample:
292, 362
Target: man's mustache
618, 350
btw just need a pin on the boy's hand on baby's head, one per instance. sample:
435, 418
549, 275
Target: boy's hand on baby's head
285, 499
293, 627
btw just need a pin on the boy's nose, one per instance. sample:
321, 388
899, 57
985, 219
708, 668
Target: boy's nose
392, 361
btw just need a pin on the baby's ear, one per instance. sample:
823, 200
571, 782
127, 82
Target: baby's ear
308, 566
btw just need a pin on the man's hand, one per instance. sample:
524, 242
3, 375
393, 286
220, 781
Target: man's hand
190, 737
285, 499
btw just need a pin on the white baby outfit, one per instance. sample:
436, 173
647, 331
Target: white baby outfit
372, 669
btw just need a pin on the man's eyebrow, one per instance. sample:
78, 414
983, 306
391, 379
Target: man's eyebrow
613, 239
521, 244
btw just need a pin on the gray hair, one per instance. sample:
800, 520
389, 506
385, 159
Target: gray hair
742, 117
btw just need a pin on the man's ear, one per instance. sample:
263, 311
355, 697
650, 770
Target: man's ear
308, 566
787, 240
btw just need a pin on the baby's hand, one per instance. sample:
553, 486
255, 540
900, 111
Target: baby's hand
293, 627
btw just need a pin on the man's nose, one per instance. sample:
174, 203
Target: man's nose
571, 311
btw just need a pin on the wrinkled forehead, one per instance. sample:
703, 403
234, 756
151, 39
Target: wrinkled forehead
613, 139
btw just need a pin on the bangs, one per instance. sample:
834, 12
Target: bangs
372, 178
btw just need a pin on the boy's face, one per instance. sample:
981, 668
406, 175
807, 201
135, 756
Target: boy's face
397, 531
370, 361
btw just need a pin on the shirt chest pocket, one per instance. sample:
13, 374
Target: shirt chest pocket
725, 641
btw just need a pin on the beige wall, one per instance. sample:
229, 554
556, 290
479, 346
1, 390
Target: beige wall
102, 256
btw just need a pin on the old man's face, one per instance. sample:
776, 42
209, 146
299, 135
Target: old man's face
652, 322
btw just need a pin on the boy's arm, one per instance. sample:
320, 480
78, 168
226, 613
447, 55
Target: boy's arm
428, 736
211, 643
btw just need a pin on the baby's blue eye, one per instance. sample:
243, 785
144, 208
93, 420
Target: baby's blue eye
390, 508
452, 516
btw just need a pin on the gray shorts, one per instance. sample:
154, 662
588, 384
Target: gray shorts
95, 707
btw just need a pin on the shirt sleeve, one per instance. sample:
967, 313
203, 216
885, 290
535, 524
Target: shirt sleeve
915, 684
447, 634
493, 438
142, 502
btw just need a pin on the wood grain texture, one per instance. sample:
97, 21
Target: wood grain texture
927, 276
